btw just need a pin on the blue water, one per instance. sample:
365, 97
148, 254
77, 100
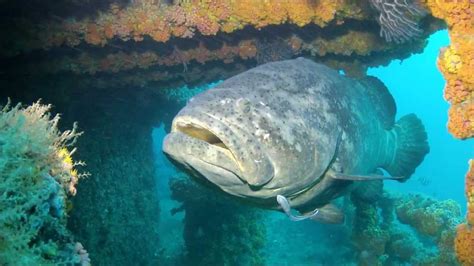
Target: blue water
417, 87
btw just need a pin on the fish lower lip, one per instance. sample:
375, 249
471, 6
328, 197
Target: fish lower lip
223, 169
182, 148
215, 164
214, 131
201, 131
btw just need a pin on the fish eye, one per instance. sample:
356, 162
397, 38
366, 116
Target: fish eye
243, 104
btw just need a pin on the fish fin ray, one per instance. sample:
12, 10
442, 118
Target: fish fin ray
364, 177
411, 146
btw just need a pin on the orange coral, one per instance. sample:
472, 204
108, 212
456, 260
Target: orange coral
353, 42
203, 20
456, 92
456, 62
326, 11
464, 243
160, 31
295, 44
161, 22
108, 31
300, 12
247, 49
470, 193
461, 119
93, 36
115, 62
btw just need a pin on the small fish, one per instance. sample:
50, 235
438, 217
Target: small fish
423, 180
295, 134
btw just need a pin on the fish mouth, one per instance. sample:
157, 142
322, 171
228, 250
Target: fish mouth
199, 148
221, 145
199, 132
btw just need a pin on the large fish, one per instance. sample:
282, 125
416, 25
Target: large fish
295, 134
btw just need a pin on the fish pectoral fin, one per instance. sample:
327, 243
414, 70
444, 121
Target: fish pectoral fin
363, 177
329, 214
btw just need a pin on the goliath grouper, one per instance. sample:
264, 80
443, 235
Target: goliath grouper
295, 133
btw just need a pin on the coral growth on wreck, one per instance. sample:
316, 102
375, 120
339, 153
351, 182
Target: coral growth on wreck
378, 235
37, 175
154, 35
120, 199
228, 232
464, 242
160, 21
428, 216
456, 62
354, 43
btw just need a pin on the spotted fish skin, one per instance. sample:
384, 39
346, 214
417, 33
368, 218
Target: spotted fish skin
284, 128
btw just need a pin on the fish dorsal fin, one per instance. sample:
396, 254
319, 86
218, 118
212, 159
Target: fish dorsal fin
382, 100
364, 177
329, 214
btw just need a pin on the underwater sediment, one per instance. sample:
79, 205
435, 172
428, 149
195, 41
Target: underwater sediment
105, 64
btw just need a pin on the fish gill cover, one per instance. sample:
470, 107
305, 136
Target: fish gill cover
105, 64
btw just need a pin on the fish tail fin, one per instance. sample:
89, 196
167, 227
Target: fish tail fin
411, 146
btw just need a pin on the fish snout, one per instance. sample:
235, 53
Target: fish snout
221, 144
202, 159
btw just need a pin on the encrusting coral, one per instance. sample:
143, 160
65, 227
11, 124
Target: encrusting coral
121, 61
229, 233
470, 193
37, 174
464, 243
368, 235
184, 20
147, 34
456, 62
434, 220
428, 216
117, 210
352, 43
381, 240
